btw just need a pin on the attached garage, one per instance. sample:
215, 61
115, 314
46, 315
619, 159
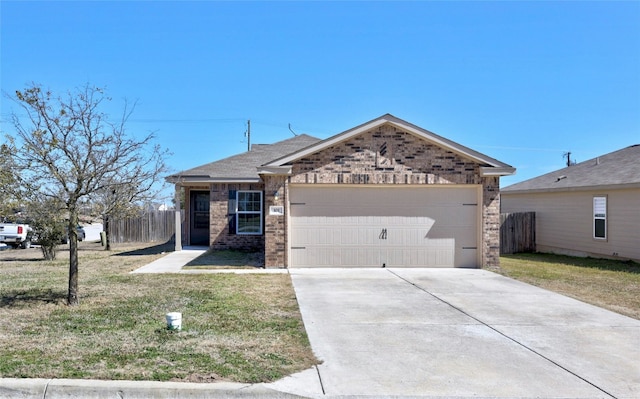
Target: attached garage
385, 193
384, 226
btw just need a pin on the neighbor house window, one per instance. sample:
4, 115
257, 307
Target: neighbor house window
600, 217
249, 212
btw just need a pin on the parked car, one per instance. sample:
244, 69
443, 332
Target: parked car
65, 238
16, 235
81, 235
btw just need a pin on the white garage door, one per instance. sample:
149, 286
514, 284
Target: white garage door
391, 226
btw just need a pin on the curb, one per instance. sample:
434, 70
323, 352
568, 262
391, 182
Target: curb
41, 388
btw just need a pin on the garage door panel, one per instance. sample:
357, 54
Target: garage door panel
466, 257
335, 226
461, 233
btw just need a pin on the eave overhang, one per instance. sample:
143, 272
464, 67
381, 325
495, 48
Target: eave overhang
600, 187
488, 171
189, 180
274, 170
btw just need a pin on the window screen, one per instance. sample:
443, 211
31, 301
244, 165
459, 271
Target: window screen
600, 217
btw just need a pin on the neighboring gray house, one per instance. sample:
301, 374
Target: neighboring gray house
385, 193
588, 209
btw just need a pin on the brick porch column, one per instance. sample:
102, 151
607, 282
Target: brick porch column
275, 248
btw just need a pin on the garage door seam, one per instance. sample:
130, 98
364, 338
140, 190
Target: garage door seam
501, 333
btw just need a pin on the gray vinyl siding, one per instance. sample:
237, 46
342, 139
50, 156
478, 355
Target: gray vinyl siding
624, 220
564, 221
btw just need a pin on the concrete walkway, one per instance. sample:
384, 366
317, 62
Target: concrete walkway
173, 261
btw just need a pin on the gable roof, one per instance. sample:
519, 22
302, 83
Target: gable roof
242, 167
489, 166
613, 170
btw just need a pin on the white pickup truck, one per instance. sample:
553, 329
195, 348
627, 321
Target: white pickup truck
15, 235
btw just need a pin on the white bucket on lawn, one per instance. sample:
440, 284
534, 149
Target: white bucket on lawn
174, 321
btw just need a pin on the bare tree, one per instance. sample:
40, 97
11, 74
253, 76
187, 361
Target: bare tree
67, 148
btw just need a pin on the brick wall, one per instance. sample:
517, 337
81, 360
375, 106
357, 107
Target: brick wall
491, 222
385, 156
219, 214
275, 228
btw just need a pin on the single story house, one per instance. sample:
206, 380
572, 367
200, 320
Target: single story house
385, 193
588, 209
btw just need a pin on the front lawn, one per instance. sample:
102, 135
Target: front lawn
244, 328
610, 284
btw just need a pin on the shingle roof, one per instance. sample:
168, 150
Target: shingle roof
243, 167
618, 168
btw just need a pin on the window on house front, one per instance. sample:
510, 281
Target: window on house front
600, 217
249, 212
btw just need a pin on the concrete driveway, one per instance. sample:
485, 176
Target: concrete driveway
458, 333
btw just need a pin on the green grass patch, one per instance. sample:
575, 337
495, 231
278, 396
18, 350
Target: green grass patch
244, 328
610, 284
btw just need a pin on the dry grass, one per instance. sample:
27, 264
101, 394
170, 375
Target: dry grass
235, 327
610, 284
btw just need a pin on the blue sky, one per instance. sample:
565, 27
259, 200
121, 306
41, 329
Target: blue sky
522, 82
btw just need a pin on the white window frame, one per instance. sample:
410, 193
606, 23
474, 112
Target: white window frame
600, 213
239, 212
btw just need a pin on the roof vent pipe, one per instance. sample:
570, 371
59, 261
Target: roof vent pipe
598, 161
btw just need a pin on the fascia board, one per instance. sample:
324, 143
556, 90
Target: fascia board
606, 187
207, 179
274, 170
487, 171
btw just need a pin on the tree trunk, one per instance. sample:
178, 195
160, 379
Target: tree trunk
107, 233
72, 296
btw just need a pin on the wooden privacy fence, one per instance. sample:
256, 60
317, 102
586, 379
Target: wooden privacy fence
517, 232
157, 226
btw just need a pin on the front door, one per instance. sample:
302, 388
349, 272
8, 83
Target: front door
199, 226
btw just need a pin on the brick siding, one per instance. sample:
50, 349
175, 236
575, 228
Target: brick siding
219, 214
